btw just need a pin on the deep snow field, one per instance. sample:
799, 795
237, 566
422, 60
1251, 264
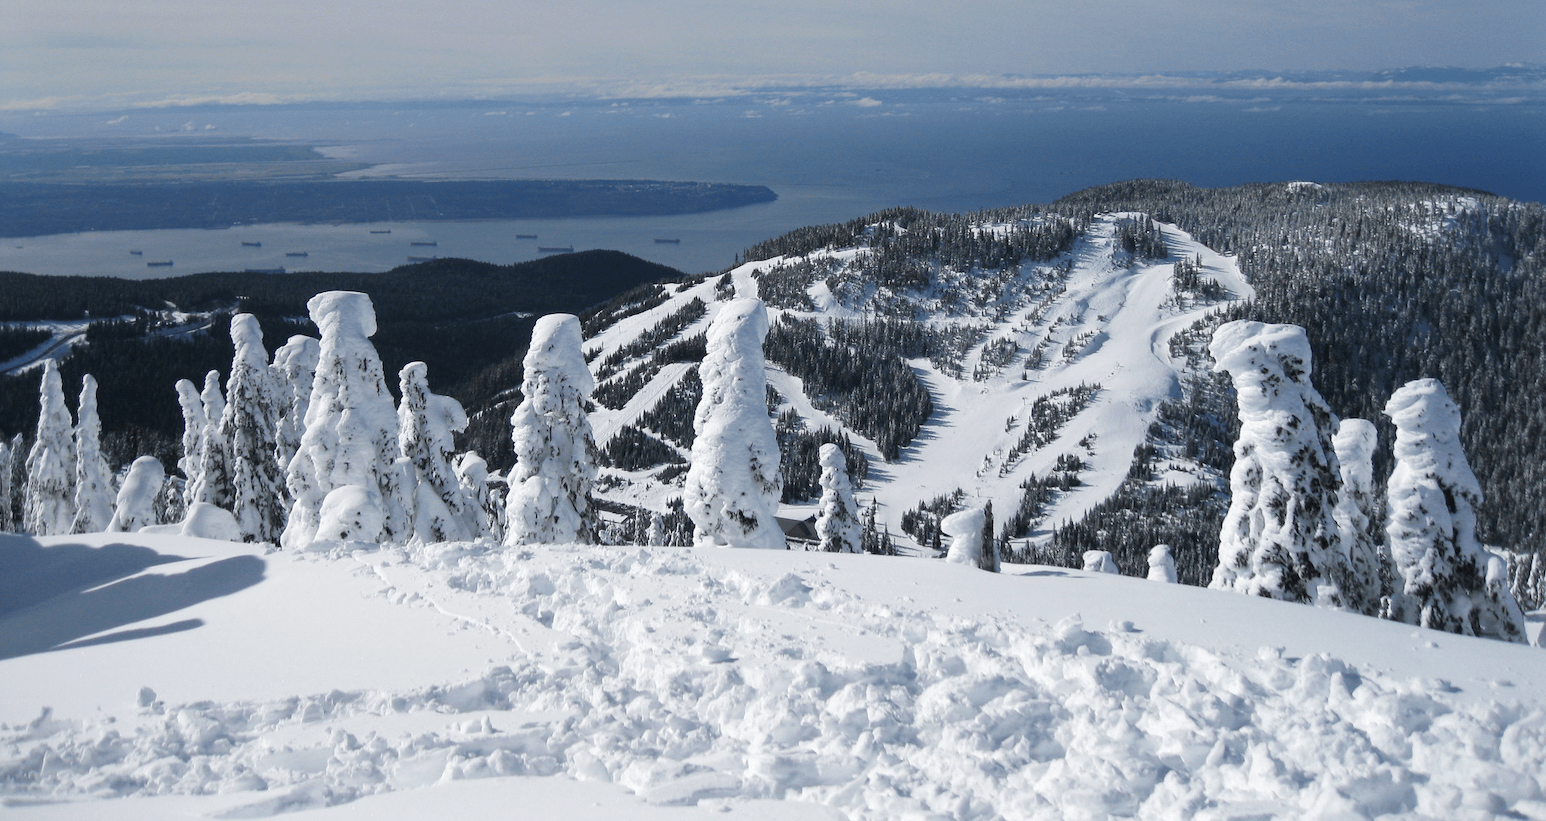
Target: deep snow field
153, 677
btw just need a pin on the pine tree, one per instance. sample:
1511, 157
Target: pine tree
472, 473
342, 474
249, 428
294, 370
50, 501
1354, 443
836, 522
965, 531
136, 506
427, 424
550, 485
989, 560
1280, 537
16, 472
214, 484
93, 479
734, 483
195, 419
1162, 566
1448, 580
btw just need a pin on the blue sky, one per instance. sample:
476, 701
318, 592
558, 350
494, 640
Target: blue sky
95, 53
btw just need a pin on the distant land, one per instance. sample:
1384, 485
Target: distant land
29, 209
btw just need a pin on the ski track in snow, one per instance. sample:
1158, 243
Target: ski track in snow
688, 676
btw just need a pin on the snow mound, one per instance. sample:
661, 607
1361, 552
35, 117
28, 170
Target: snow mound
700, 676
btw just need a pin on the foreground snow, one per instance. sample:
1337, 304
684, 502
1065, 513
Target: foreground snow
208, 678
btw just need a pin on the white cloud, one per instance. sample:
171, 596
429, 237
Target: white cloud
867, 102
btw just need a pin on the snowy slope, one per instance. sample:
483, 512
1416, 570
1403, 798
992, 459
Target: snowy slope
582, 682
1106, 322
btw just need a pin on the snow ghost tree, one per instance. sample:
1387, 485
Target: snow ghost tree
965, 531
1354, 443
213, 485
137, 498
472, 474
294, 369
248, 428
1280, 537
49, 508
837, 523
1100, 561
1162, 565
555, 453
194, 422
350, 440
734, 483
93, 478
1446, 581
427, 424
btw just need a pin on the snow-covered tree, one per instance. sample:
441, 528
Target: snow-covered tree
427, 425
214, 484
657, 531
50, 501
965, 531
1280, 537
1448, 579
5, 485
555, 453
351, 429
1354, 443
294, 370
93, 478
1100, 561
195, 419
734, 483
1162, 565
837, 523
16, 471
249, 429
136, 506
472, 474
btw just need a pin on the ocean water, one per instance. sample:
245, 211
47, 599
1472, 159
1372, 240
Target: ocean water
830, 156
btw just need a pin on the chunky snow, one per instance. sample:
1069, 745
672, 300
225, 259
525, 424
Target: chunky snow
231, 682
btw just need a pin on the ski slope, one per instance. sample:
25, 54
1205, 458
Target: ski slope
159, 676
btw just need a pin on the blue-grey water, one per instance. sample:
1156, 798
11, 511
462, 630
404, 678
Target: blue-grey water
830, 156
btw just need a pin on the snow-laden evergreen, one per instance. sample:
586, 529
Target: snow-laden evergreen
427, 427
351, 427
294, 370
214, 484
93, 478
555, 468
50, 499
1100, 561
965, 531
1162, 565
6, 517
249, 428
136, 505
734, 482
1280, 537
195, 419
16, 472
472, 474
1447, 578
837, 522
1354, 443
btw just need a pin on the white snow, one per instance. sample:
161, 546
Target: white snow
387, 683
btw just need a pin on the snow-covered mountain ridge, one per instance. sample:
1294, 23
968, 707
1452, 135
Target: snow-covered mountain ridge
1062, 361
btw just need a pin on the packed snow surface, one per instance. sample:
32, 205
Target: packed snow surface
146, 676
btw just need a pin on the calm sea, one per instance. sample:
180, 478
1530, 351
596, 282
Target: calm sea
831, 156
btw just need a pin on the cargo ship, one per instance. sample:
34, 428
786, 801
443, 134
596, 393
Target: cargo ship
252, 244
670, 241
297, 253
429, 244
381, 230
166, 264
138, 253
525, 236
